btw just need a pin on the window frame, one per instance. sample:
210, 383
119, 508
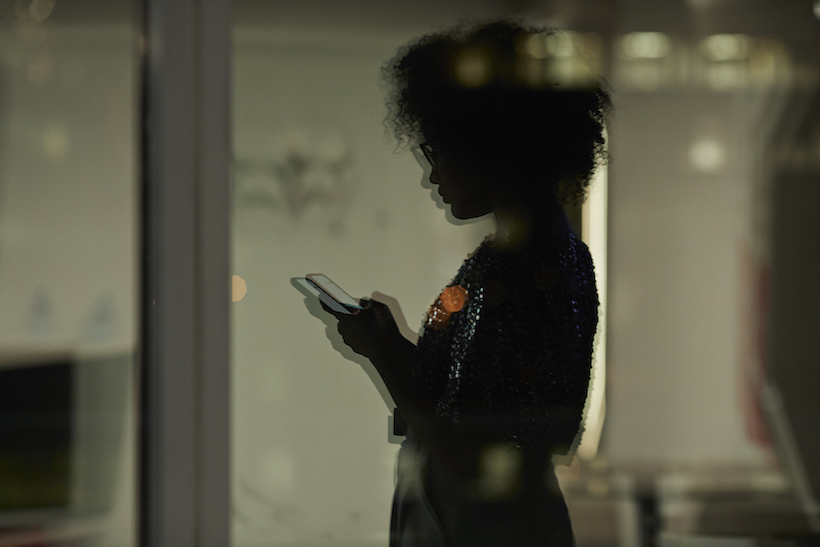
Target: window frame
185, 412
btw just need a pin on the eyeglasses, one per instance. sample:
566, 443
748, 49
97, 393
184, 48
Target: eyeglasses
426, 150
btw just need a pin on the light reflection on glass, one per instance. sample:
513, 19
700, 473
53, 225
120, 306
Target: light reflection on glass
239, 288
726, 47
720, 62
68, 271
562, 44
55, 143
472, 68
500, 471
645, 45
566, 59
707, 155
646, 62
533, 45
35, 11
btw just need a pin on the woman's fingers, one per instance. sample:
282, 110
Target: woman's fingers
330, 310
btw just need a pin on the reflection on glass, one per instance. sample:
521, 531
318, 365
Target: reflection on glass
696, 132
68, 261
650, 61
646, 45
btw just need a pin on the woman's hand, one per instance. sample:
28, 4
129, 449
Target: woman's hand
372, 332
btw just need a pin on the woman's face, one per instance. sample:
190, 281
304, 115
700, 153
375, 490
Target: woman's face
462, 184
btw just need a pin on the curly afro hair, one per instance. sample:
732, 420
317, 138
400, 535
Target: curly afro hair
481, 89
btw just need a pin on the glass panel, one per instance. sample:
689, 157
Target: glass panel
706, 122
68, 272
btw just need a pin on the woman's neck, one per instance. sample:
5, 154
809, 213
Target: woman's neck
519, 226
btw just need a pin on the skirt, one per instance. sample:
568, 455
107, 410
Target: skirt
433, 508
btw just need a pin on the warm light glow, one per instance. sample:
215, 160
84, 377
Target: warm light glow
238, 288
500, 471
472, 68
594, 232
565, 59
533, 45
646, 45
726, 47
817, 8
571, 73
707, 155
55, 142
561, 44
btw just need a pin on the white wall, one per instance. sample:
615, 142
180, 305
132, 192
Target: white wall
675, 242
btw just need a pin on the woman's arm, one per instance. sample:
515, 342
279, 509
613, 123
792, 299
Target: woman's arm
374, 334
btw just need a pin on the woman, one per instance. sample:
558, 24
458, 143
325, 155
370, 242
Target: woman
497, 383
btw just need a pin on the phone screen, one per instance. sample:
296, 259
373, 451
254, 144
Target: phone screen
307, 287
324, 283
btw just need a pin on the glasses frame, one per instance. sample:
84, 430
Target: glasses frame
427, 151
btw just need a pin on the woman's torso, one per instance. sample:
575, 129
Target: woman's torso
516, 355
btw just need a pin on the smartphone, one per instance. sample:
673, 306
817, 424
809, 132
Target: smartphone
324, 283
328, 292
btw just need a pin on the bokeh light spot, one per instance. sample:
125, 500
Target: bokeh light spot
646, 45
55, 143
726, 47
238, 288
472, 68
707, 155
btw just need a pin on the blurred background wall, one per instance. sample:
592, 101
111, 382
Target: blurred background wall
712, 107
69, 242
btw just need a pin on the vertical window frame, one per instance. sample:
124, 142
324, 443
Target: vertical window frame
184, 430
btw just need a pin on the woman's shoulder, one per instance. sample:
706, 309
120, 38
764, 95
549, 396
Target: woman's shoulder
557, 251
551, 273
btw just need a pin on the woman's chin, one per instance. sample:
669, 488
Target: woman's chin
468, 213
458, 213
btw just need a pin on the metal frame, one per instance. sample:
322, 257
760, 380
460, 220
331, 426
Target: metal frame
185, 442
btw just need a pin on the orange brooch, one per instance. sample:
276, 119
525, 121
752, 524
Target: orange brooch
451, 300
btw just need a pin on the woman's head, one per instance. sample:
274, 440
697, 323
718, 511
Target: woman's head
478, 93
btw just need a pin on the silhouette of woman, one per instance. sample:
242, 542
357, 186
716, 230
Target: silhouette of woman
497, 382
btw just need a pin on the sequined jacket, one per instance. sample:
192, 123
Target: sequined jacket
515, 354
